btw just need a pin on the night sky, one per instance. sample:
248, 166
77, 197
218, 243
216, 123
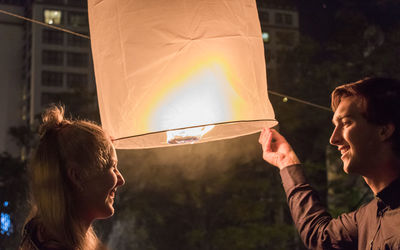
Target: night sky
319, 17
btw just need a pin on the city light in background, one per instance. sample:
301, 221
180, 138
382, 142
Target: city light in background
6, 227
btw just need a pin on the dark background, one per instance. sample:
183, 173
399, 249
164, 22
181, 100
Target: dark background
221, 195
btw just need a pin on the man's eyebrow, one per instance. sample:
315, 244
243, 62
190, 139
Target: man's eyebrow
340, 117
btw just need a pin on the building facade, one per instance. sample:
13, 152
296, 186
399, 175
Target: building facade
12, 32
280, 30
60, 62
43, 65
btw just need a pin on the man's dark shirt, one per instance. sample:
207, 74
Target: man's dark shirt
375, 225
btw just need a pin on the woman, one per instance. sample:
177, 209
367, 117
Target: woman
74, 178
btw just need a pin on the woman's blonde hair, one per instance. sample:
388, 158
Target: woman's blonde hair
64, 143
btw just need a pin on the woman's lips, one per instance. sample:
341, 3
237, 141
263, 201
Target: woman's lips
112, 193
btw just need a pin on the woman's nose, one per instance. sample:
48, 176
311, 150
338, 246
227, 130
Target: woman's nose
121, 180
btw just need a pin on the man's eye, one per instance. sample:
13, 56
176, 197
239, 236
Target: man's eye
346, 123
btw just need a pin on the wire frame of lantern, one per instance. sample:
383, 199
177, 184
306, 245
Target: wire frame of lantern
179, 71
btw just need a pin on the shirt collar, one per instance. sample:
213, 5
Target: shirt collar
390, 195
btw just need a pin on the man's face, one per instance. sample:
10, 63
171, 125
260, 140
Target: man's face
355, 137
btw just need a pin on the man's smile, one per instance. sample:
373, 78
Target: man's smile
343, 149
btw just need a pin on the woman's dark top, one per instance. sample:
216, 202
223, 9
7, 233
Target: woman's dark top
31, 238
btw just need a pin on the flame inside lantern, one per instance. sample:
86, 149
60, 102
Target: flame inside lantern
205, 97
188, 135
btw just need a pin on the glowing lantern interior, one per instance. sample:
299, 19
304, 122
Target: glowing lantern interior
179, 71
187, 135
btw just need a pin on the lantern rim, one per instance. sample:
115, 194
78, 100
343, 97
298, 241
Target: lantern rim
238, 128
197, 126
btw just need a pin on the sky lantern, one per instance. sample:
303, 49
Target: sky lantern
178, 71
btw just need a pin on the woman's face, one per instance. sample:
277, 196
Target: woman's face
99, 190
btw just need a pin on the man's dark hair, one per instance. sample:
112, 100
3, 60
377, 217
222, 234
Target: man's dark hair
382, 102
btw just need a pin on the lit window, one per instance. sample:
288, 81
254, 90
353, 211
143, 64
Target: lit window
52, 16
265, 37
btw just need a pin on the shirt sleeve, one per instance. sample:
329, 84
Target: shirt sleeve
317, 228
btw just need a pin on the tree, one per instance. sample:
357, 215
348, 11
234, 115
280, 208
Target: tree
217, 195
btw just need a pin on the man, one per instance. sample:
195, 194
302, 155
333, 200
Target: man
367, 134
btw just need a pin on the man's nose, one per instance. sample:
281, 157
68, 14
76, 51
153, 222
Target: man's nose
335, 137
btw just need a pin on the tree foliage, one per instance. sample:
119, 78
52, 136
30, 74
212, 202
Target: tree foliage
243, 208
349, 41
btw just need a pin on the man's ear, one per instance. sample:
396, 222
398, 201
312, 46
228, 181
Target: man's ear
75, 176
386, 131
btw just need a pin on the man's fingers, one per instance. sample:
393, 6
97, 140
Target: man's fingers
263, 136
268, 141
265, 139
277, 137
260, 139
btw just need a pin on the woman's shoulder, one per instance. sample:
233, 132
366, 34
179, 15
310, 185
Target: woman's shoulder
33, 238
28, 236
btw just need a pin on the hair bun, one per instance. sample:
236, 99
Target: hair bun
52, 118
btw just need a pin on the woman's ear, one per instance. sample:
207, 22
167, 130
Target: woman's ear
386, 131
75, 176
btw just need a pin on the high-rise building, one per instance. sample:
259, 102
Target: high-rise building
60, 62
280, 30
11, 78
44, 65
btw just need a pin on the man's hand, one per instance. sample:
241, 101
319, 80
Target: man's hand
276, 150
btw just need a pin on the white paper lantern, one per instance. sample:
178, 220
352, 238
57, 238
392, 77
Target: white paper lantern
193, 66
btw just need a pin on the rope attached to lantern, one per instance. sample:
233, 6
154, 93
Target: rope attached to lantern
286, 97
43, 24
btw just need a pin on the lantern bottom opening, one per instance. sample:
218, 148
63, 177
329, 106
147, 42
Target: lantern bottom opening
211, 132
